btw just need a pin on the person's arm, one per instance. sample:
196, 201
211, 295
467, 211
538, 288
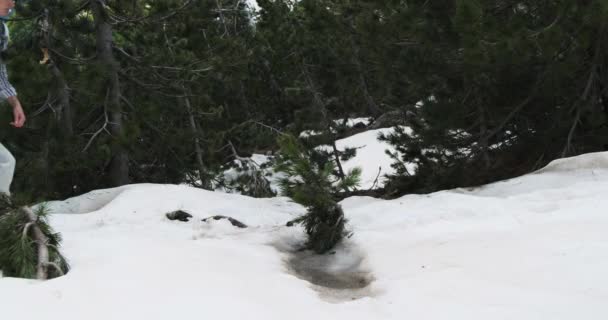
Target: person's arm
18, 114
10, 94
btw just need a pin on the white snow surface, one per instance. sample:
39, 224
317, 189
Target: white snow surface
370, 157
351, 122
533, 247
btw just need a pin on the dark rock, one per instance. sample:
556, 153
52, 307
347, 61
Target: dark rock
179, 215
232, 221
294, 221
389, 119
360, 125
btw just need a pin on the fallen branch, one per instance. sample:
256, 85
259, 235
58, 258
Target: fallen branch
41, 240
232, 221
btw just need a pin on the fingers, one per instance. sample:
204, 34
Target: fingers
19, 120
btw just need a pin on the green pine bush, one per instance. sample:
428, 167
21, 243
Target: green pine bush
18, 248
313, 186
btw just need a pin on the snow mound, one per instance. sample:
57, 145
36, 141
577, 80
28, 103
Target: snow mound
89, 202
597, 160
567, 173
533, 247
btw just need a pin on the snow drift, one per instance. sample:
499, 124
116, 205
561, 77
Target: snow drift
533, 247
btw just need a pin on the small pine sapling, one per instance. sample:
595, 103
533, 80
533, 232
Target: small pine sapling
313, 186
29, 248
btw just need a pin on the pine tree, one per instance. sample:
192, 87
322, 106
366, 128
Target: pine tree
505, 87
28, 246
312, 186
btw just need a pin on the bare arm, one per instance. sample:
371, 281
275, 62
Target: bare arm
18, 114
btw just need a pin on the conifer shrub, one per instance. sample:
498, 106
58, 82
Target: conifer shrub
252, 181
21, 240
313, 185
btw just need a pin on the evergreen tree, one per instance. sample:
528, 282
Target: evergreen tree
28, 246
312, 186
505, 87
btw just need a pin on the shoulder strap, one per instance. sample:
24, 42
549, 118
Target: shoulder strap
3, 36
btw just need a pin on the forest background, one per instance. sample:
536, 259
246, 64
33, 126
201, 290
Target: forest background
166, 91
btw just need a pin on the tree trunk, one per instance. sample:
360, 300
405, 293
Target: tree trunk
61, 89
41, 241
483, 136
243, 97
202, 171
325, 121
274, 84
372, 107
119, 164
62, 92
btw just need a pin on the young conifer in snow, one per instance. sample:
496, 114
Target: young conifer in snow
29, 248
313, 186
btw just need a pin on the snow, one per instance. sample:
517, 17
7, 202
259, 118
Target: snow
351, 122
533, 247
371, 157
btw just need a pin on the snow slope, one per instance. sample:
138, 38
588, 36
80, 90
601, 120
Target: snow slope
533, 247
370, 157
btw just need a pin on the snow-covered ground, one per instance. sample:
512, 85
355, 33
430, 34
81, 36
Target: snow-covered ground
533, 247
370, 157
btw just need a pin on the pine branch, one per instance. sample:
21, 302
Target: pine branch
28, 246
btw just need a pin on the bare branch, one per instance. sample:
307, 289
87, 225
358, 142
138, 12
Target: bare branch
118, 19
103, 128
376, 180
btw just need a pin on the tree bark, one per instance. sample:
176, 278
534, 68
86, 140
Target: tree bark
41, 240
325, 121
119, 164
64, 112
372, 107
61, 90
483, 134
202, 171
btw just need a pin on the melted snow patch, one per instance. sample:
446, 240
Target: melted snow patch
339, 276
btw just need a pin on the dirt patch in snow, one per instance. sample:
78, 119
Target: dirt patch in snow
339, 276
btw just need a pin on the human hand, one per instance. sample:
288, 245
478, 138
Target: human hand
6, 6
18, 117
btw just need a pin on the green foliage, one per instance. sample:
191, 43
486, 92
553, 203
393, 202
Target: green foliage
18, 247
254, 184
251, 180
348, 154
305, 175
312, 186
507, 86
166, 55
